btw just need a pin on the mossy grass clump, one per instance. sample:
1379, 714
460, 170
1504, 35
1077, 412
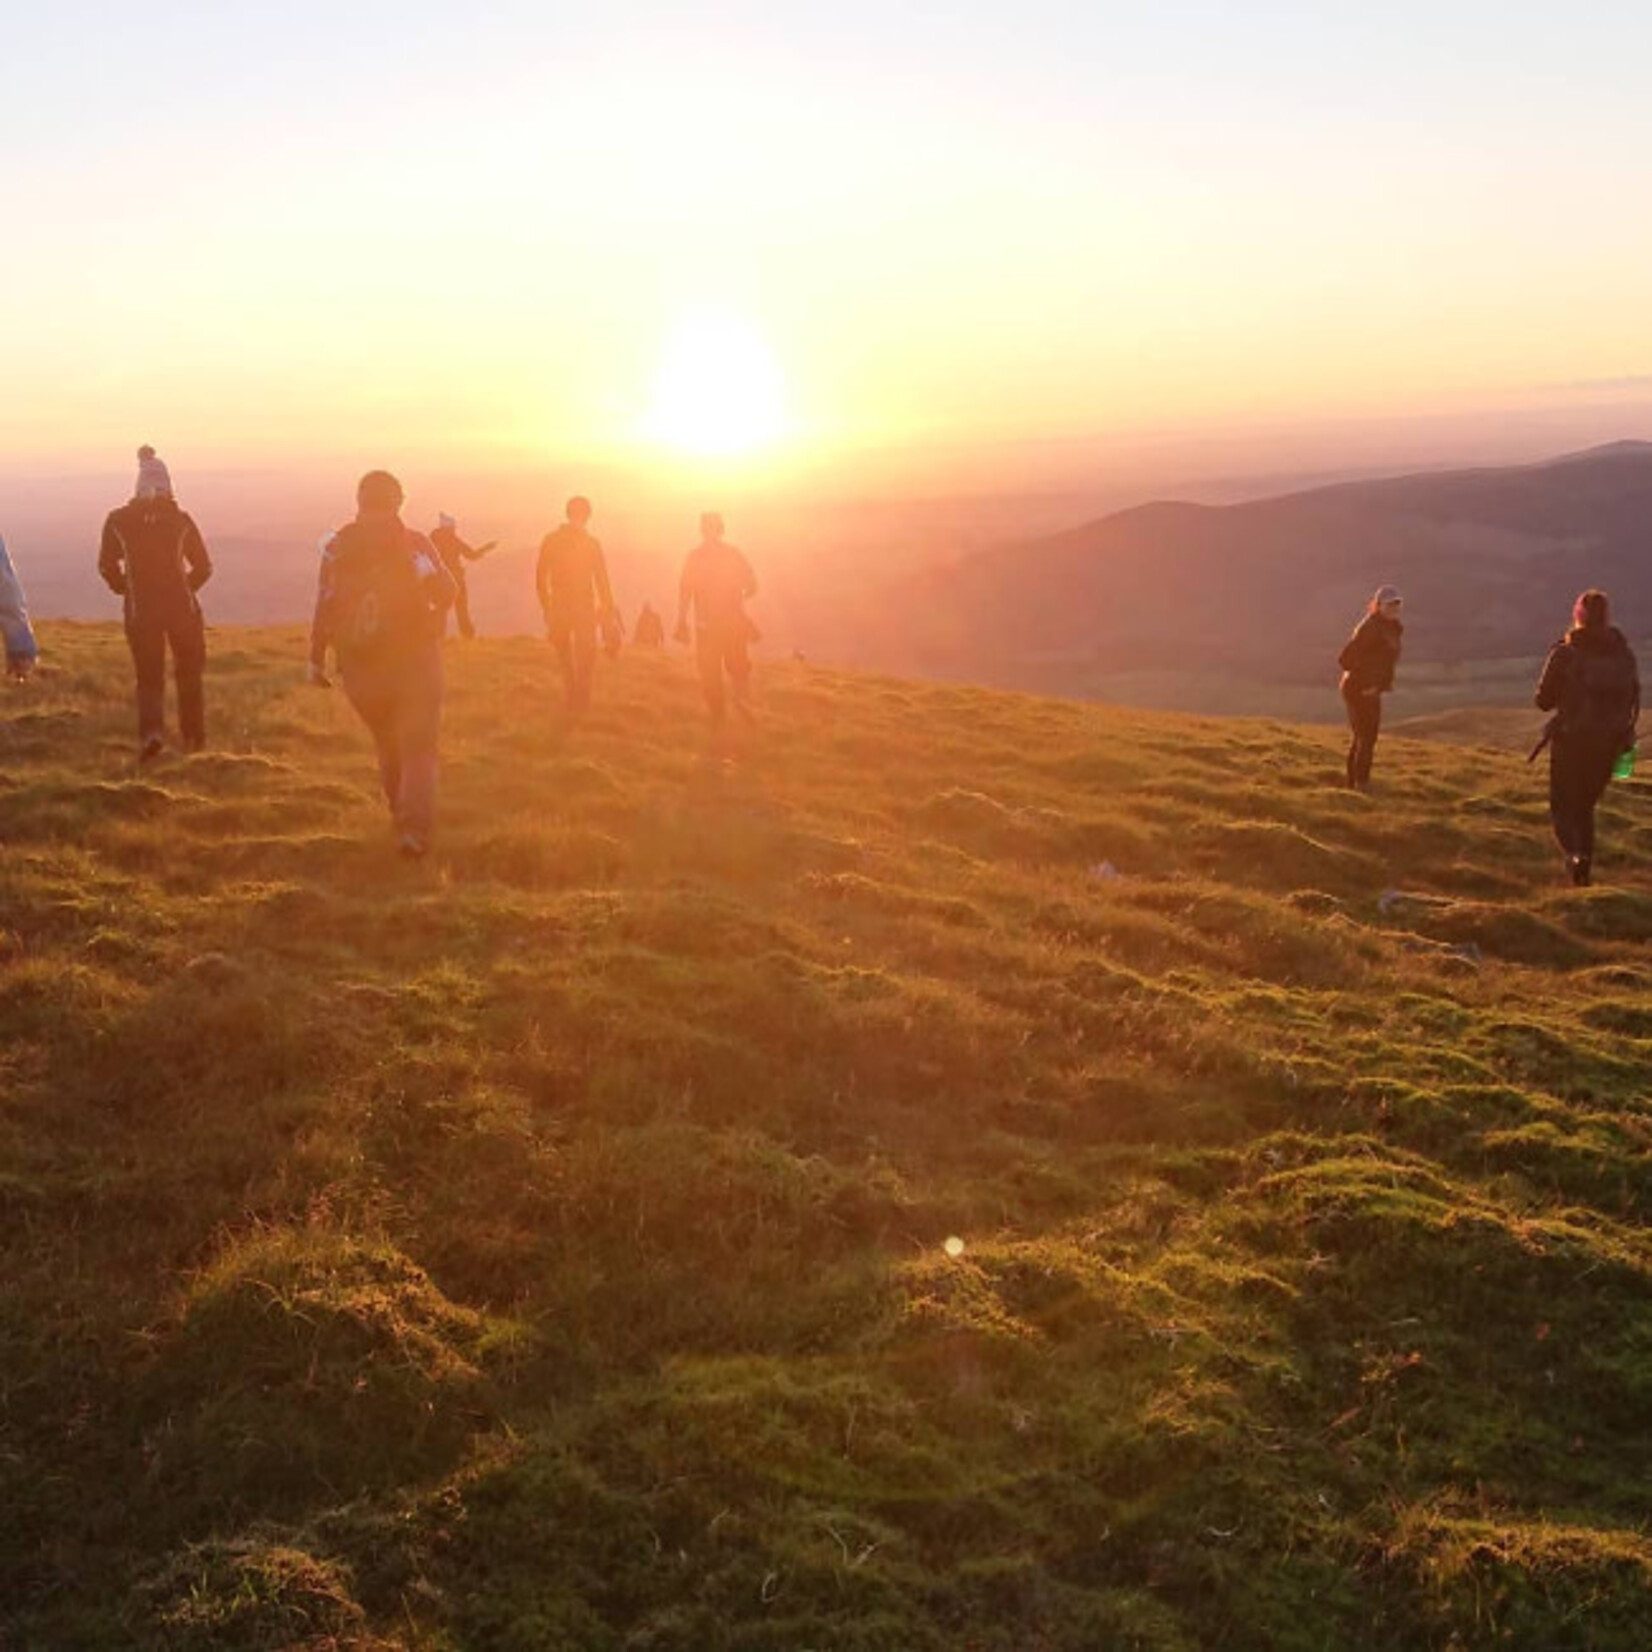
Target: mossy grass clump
308, 1365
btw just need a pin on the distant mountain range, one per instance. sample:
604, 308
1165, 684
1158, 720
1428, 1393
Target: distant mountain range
1488, 560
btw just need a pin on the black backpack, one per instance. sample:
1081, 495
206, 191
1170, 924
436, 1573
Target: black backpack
377, 600
1604, 693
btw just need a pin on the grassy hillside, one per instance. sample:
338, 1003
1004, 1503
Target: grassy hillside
801, 1203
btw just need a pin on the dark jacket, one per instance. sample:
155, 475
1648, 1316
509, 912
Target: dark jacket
572, 576
153, 555
1370, 655
1592, 681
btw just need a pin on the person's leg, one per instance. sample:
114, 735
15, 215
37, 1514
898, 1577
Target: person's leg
1368, 742
737, 663
708, 653
585, 660
188, 637
461, 605
562, 640
418, 721
1595, 774
1363, 711
1571, 807
148, 644
369, 689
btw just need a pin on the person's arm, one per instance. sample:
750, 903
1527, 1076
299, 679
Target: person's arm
1388, 664
542, 576
439, 587
1353, 652
321, 625
1551, 686
599, 572
21, 649
748, 579
685, 594
478, 553
112, 558
196, 560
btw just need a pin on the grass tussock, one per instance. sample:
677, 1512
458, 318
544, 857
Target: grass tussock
970, 1172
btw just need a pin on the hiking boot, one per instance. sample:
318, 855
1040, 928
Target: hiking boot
1577, 866
151, 749
410, 846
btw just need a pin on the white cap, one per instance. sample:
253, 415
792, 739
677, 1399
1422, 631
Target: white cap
446, 521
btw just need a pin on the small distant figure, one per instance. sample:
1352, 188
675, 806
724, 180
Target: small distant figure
382, 596
455, 553
153, 558
575, 597
15, 631
1368, 660
1592, 684
649, 631
717, 582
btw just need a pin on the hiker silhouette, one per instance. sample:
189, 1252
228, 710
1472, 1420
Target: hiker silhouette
152, 556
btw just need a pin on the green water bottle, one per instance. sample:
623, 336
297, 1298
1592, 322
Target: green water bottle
1625, 765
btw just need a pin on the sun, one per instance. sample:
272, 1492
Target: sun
719, 391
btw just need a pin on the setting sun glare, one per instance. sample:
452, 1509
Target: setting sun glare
719, 392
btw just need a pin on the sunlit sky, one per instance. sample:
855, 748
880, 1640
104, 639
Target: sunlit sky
501, 230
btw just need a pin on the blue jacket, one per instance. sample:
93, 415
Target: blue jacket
21, 648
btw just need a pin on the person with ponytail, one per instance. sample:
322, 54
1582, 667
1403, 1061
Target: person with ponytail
1368, 659
1592, 684
382, 598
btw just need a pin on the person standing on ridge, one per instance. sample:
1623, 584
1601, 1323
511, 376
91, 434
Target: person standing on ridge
717, 582
455, 553
576, 598
1592, 685
153, 558
649, 631
1368, 659
16, 633
382, 597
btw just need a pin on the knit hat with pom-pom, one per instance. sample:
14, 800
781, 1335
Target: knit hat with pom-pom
154, 480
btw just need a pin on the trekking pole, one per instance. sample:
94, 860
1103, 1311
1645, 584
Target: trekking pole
1544, 738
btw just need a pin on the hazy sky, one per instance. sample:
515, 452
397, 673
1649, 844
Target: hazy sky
251, 230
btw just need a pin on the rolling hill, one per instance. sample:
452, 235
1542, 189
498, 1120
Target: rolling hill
975, 1172
1265, 591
